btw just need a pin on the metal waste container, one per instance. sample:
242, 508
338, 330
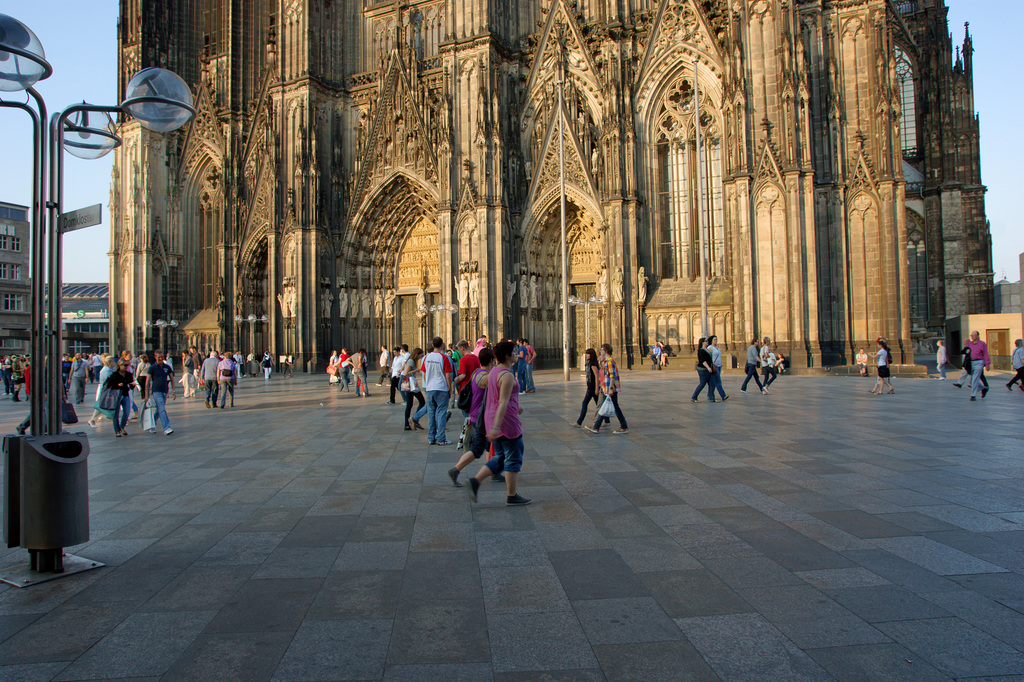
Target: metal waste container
54, 491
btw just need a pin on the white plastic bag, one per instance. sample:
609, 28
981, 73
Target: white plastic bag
148, 417
607, 408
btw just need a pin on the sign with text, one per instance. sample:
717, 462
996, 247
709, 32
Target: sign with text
83, 217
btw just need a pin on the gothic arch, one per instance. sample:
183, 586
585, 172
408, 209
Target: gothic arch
383, 223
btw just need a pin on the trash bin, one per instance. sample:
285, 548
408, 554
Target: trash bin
54, 491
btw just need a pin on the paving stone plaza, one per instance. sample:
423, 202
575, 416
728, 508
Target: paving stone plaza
817, 533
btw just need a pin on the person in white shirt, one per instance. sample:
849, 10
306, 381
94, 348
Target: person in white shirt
437, 382
383, 364
401, 357
1018, 364
941, 358
768, 362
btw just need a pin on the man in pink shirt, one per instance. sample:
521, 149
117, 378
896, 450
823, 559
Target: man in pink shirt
979, 363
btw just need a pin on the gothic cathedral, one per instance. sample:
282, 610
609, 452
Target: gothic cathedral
380, 172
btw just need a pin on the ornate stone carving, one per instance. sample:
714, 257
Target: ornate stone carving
617, 293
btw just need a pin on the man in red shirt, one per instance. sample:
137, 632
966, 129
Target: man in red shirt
346, 370
467, 364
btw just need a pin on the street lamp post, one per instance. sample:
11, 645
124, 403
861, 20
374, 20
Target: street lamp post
700, 206
565, 245
54, 513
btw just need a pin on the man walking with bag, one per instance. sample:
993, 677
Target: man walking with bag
610, 384
209, 374
161, 381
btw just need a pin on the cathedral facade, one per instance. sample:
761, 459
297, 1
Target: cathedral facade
380, 172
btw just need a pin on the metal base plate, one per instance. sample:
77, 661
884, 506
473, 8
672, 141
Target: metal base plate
22, 576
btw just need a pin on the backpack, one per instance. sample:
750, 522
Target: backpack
466, 396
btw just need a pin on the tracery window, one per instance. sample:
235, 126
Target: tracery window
682, 192
908, 102
917, 267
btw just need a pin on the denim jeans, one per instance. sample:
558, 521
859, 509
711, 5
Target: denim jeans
212, 390
121, 414
160, 403
614, 397
751, 370
705, 380
715, 382
508, 455
770, 374
591, 395
527, 373
437, 416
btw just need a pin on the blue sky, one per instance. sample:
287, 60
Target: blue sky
80, 39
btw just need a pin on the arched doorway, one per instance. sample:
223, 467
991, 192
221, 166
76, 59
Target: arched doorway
392, 270
541, 310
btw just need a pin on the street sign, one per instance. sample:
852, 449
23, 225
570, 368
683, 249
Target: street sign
83, 217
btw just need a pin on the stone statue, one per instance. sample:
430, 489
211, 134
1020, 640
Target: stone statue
462, 287
378, 304
342, 302
617, 285
365, 300
421, 302
641, 286
524, 291
510, 291
550, 297
287, 298
326, 298
535, 292
389, 305
602, 284
474, 290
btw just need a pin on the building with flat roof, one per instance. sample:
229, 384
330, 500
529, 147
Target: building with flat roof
15, 313
85, 311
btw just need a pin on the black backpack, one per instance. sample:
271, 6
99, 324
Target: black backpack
466, 396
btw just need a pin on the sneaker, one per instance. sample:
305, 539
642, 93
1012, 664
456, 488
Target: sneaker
1009, 388
208, 403
575, 425
500, 478
390, 402
474, 486
517, 500
764, 391
522, 392
957, 385
984, 392
973, 398
724, 398
443, 442
694, 400
743, 390
168, 432
589, 428
416, 425
453, 474
621, 431
411, 423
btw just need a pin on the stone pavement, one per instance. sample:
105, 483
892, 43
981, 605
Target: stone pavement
817, 533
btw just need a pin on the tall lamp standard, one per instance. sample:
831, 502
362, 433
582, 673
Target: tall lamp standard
53, 511
561, 182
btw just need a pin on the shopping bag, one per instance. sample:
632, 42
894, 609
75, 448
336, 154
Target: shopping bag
67, 413
109, 399
148, 417
607, 408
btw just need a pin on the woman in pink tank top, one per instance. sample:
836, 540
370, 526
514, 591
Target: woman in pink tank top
504, 429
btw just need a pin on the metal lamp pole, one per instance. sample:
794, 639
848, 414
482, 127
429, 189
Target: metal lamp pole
700, 206
565, 246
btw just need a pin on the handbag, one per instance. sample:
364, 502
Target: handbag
607, 408
67, 413
466, 396
109, 399
148, 417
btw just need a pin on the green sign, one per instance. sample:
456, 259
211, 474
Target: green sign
80, 314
